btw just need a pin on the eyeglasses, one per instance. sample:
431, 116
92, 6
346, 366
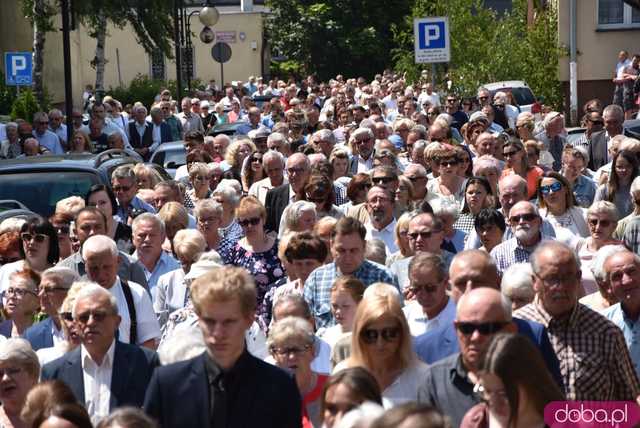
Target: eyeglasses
256, 160
51, 290
554, 187
285, 352
67, 316
414, 179
424, 234
557, 280
10, 371
515, 219
38, 237
484, 328
389, 334
117, 189
382, 180
448, 162
509, 154
98, 316
250, 221
19, 292
593, 222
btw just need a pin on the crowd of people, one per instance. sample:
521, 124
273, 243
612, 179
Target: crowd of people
360, 254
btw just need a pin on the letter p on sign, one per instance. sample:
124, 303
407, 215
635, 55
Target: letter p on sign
18, 64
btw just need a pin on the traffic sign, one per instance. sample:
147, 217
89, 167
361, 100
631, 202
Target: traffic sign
18, 68
431, 37
221, 52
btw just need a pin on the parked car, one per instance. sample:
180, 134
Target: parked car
39, 182
230, 129
170, 156
520, 90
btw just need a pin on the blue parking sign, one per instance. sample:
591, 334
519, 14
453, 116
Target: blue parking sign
431, 40
18, 68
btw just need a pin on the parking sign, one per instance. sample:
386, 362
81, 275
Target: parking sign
17, 68
431, 37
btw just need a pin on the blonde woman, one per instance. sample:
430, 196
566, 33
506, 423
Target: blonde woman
80, 143
401, 238
199, 179
146, 177
236, 153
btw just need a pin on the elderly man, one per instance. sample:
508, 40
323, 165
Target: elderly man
175, 125
189, 120
594, 360
526, 225
103, 372
599, 153
622, 269
46, 138
219, 387
31, 147
125, 187
347, 248
432, 307
325, 141
484, 96
485, 145
254, 122
57, 127
91, 221
362, 141
148, 236
278, 142
382, 176
139, 324
381, 224
161, 131
551, 137
417, 174
141, 132
276, 199
54, 285
217, 146
273, 166
449, 384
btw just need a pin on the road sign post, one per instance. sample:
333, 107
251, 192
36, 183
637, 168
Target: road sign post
221, 52
431, 40
18, 68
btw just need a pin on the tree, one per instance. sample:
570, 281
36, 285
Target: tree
150, 20
334, 37
487, 48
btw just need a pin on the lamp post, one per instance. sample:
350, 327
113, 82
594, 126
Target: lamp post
208, 16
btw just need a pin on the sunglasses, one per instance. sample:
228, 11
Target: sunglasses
98, 316
250, 221
593, 222
414, 179
117, 189
38, 237
256, 159
555, 187
448, 163
389, 334
509, 154
526, 217
484, 328
382, 180
424, 235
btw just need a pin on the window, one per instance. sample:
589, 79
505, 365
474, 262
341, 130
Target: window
613, 14
157, 65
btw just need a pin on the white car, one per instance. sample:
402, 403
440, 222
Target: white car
521, 92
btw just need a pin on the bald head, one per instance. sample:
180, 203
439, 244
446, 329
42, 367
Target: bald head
512, 189
484, 305
470, 270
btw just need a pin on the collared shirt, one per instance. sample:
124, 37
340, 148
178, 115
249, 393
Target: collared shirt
386, 235
192, 122
448, 388
509, 252
148, 326
61, 132
57, 335
420, 323
260, 188
317, 288
165, 264
97, 382
50, 141
630, 329
122, 214
594, 360
584, 189
365, 165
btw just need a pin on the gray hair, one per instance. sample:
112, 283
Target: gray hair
92, 291
431, 260
487, 161
228, 193
359, 133
597, 265
325, 135
189, 242
139, 107
123, 172
276, 136
604, 207
38, 116
376, 251
63, 276
12, 125
272, 154
635, 186
419, 168
614, 110
550, 117
442, 207
290, 328
207, 205
148, 218
99, 244
19, 350
518, 278
294, 211
295, 299
550, 245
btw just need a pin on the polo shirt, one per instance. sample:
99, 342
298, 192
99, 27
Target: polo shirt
630, 330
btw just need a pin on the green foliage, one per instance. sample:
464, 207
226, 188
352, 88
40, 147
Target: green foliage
487, 48
8, 95
25, 105
351, 37
144, 89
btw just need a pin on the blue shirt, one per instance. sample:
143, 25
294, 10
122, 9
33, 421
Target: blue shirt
630, 331
50, 141
317, 288
584, 189
123, 213
61, 132
165, 264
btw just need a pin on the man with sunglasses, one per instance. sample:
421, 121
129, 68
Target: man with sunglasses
449, 384
46, 138
452, 107
125, 187
592, 121
484, 97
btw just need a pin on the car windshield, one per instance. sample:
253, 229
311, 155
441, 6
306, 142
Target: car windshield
40, 191
523, 96
171, 159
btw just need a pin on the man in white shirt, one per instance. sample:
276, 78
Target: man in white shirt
273, 166
134, 304
381, 224
432, 306
103, 373
427, 95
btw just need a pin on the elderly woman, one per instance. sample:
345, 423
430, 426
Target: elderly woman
602, 218
20, 372
557, 206
21, 302
517, 285
291, 344
339, 159
478, 195
319, 190
574, 162
252, 171
257, 252
102, 197
525, 124
448, 185
39, 250
617, 189
488, 167
199, 179
229, 198
236, 153
11, 147
381, 343
604, 297
517, 162
448, 213
80, 143
298, 217
170, 294
175, 218
401, 239
209, 214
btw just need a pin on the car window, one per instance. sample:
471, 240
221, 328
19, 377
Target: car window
174, 158
40, 191
523, 96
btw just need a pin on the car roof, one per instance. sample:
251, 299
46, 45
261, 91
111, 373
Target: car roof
506, 84
172, 145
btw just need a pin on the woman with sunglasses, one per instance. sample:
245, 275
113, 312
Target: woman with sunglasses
478, 195
38, 250
558, 207
512, 397
21, 302
515, 157
102, 197
381, 343
252, 171
62, 224
257, 252
624, 169
448, 185
199, 179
